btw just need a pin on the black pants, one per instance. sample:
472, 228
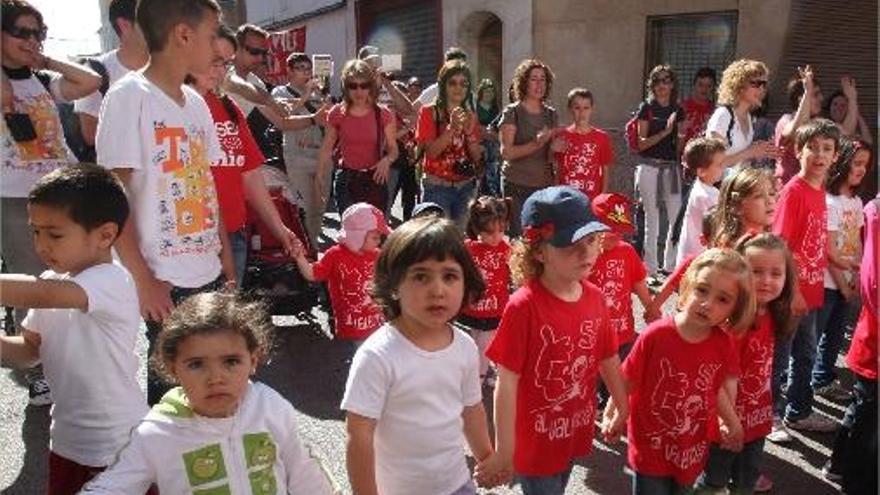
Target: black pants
855, 448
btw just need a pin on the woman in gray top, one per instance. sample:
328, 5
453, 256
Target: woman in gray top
527, 127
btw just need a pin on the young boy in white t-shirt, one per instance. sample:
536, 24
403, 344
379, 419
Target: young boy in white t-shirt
83, 322
158, 136
703, 158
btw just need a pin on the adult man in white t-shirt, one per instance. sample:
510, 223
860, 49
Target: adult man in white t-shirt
131, 55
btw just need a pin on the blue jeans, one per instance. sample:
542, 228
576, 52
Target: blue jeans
800, 368
491, 183
658, 485
834, 317
238, 243
855, 448
453, 199
545, 485
391, 186
739, 469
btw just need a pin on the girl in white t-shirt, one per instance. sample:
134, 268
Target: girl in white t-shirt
414, 389
217, 432
845, 220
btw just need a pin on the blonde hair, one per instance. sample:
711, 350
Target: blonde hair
358, 69
743, 314
736, 78
735, 188
524, 264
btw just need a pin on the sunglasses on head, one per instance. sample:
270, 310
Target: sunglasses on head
758, 83
24, 33
353, 85
257, 52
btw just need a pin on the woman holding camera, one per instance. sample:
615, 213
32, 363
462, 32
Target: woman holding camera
449, 131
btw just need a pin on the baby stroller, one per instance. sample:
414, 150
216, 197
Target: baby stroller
270, 275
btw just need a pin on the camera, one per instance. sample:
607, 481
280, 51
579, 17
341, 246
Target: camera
464, 168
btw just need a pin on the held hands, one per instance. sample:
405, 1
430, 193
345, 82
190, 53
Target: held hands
731, 436
613, 423
493, 471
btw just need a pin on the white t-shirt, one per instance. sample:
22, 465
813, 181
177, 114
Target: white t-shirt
417, 398
739, 139
25, 162
170, 149
300, 147
90, 362
846, 217
247, 106
703, 196
91, 104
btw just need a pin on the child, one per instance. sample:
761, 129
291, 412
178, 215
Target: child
217, 431
554, 336
702, 158
413, 388
84, 322
845, 220
801, 220
488, 218
348, 270
581, 151
158, 136
774, 281
619, 271
678, 370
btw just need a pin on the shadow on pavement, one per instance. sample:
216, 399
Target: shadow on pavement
35, 435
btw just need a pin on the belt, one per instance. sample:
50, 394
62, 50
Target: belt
436, 181
665, 166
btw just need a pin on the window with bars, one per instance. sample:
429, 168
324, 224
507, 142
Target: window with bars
688, 42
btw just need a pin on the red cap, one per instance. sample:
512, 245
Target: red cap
613, 210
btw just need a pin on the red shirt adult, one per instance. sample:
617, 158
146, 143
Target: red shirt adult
582, 165
673, 400
862, 357
357, 136
616, 272
754, 402
555, 347
801, 219
349, 275
492, 262
698, 113
443, 167
242, 155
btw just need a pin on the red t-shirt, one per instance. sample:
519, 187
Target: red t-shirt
582, 165
673, 399
754, 402
348, 275
698, 113
616, 273
862, 357
555, 347
442, 166
801, 219
242, 155
357, 136
492, 262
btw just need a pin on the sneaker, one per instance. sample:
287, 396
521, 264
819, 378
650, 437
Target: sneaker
764, 484
813, 422
830, 473
834, 391
779, 433
39, 393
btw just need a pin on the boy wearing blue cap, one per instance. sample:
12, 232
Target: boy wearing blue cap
554, 336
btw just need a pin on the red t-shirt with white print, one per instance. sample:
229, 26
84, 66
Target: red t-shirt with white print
801, 219
754, 402
673, 399
615, 273
582, 165
348, 275
555, 347
443, 166
492, 262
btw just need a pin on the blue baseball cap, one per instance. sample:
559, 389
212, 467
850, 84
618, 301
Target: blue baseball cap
560, 215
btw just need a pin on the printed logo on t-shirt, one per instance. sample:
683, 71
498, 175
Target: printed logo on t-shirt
580, 169
812, 252
231, 143
849, 233
49, 143
755, 384
187, 198
361, 315
489, 264
611, 280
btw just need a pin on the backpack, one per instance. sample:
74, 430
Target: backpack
729, 133
631, 130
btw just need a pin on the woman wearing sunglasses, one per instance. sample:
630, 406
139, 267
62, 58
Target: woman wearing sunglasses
366, 137
742, 90
33, 139
450, 133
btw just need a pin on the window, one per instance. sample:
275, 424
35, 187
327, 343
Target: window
690, 41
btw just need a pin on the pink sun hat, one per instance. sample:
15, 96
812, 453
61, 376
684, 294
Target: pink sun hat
357, 220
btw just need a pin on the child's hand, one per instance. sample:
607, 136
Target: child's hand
613, 423
297, 250
731, 436
493, 471
559, 145
652, 313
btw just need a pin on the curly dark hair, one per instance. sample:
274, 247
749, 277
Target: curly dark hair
520, 82
654, 79
486, 210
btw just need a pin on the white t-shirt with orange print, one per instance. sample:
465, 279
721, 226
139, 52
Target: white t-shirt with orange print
170, 149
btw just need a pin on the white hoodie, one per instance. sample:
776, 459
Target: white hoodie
256, 451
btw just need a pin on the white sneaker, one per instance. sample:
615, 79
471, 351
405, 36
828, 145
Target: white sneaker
39, 393
779, 433
813, 422
833, 391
